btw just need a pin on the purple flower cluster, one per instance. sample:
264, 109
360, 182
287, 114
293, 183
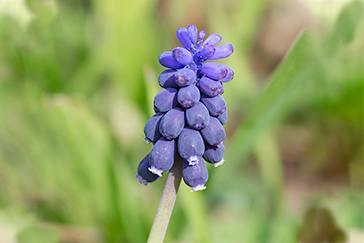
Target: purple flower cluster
190, 110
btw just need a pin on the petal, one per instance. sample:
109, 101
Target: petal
144, 175
214, 71
188, 96
165, 100
184, 38
172, 123
214, 133
213, 39
190, 144
181, 55
166, 59
192, 32
184, 77
195, 175
151, 128
222, 51
229, 76
167, 80
162, 156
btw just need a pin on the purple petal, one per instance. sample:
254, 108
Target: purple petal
184, 77
144, 175
184, 38
213, 39
181, 55
166, 59
207, 52
214, 71
192, 32
195, 175
229, 76
167, 80
201, 35
222, 51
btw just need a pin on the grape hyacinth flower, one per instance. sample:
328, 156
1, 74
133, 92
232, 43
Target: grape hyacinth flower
190, 110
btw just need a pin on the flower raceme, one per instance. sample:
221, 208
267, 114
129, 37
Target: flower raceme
190, 110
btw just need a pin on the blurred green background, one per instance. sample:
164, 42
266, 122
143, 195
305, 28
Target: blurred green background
77, 82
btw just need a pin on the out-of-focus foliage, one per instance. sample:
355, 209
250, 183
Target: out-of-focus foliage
77, 79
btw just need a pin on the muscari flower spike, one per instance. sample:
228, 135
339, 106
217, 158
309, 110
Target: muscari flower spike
190, 110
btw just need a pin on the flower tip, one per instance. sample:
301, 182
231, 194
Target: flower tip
198, 188
141, 180
147, 140
192, 160
154, 170
219, 163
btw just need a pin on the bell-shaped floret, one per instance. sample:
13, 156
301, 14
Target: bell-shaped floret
192, 33
223, 117
172, 123
213, 39
151, 128
197, 117
229, 76
184, 38
184, 77
181, 55
222, 51
165, 100
214, 154
213, 133
162, 156
210, 87
144, 175
215, 71
201, 35
190, 145
216, 105
167, 80
206, 52
196, 175
188, 96
166, 59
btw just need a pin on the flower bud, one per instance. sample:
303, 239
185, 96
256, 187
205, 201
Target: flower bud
188, 96
165, 100
184, 77
162, 156
229, 75
214, 154
192, 33
213, 39
151, 128
216, 105
184, 38
222, 51
215, 71
210, 87
167, 80
181, 55
166, 59
195, 175
190, 145
172, 123
223, 117
213, 133
144, 175
197, 117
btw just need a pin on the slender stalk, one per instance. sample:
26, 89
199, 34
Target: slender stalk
166, 203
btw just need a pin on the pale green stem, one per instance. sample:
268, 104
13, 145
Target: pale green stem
166, 203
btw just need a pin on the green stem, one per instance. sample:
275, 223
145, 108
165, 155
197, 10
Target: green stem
166, 203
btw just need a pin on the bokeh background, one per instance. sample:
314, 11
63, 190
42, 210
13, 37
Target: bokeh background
77, 82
